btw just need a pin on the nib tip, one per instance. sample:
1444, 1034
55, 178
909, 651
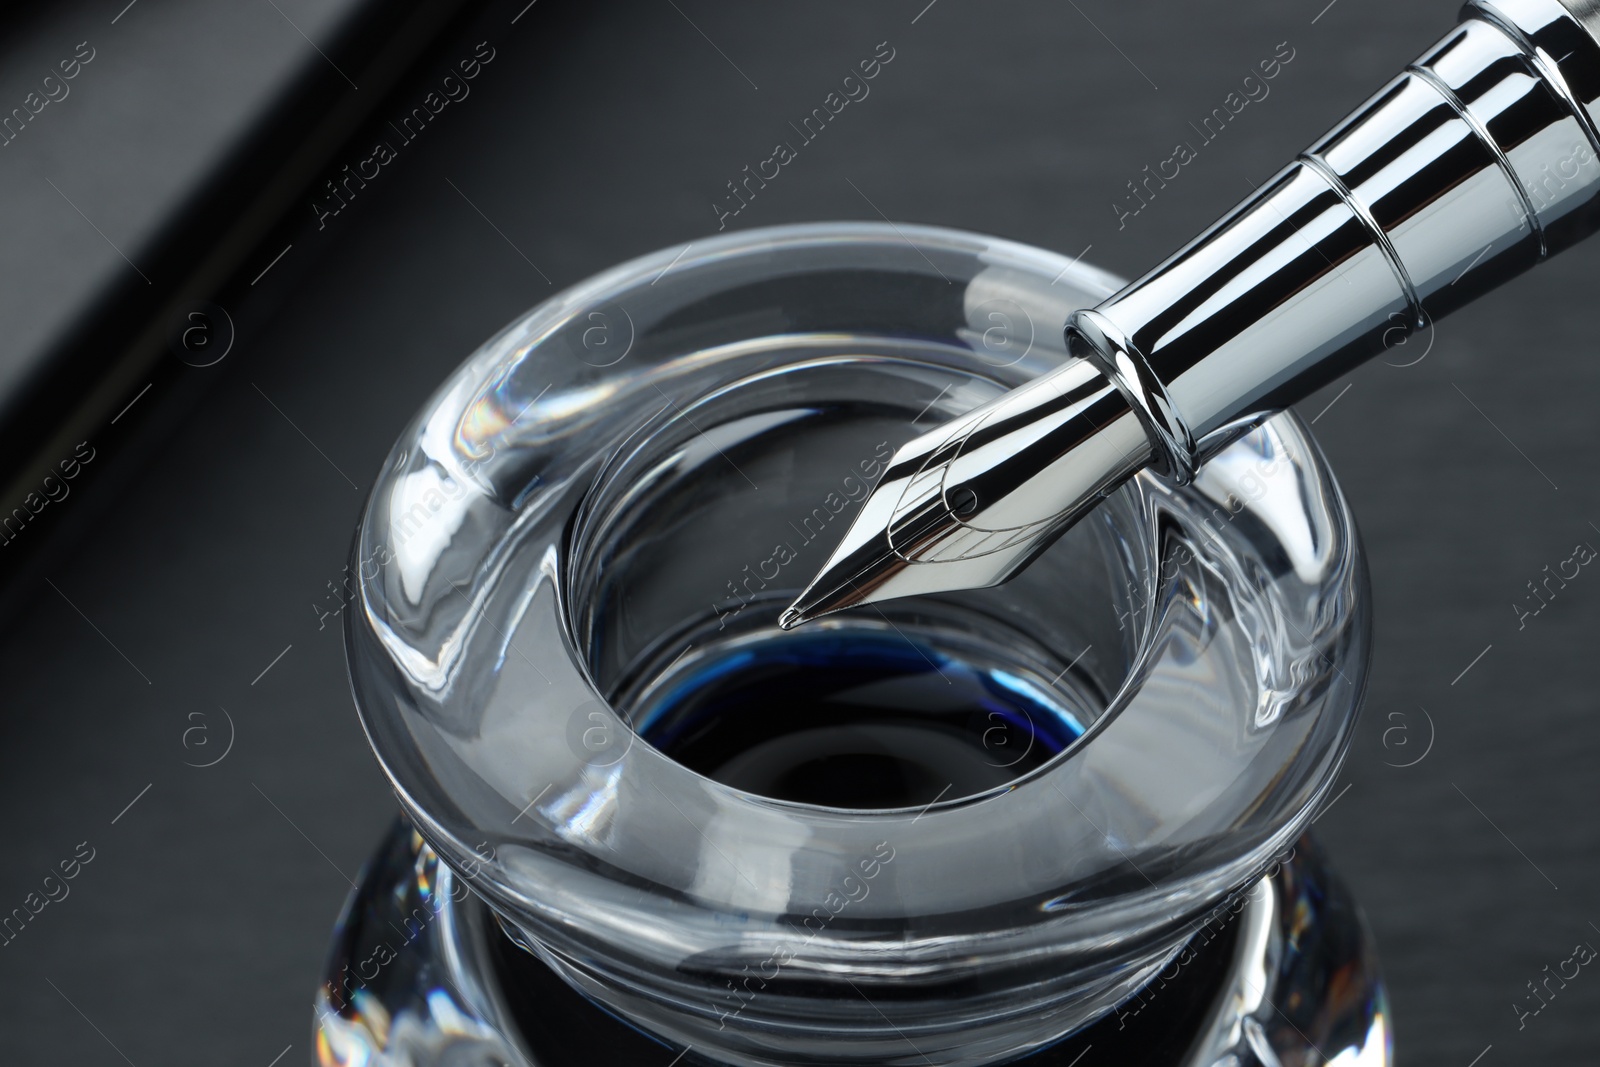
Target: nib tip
790, 619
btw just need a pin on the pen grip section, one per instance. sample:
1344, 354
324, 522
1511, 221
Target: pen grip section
1472, 165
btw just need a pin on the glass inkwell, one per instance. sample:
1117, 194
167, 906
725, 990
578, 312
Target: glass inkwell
1060, 818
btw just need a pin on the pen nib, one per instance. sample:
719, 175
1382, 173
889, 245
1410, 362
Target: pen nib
970, 503
864, 557
907, 542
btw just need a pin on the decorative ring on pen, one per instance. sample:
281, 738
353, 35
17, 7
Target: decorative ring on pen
1092, 336
1408, 290
1547, 69
1530, 212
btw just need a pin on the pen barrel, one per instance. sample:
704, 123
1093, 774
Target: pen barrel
1473, 164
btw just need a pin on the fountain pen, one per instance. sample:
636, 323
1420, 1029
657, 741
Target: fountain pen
1476, 162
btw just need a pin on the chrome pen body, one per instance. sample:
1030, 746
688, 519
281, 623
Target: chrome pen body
1475, 163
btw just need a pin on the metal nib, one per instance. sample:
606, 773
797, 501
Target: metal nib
852, 578
865, 562
974, 501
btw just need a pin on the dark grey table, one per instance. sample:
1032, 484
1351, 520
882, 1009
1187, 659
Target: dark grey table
195, 934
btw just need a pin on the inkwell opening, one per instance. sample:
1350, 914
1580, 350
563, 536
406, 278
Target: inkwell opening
698, 533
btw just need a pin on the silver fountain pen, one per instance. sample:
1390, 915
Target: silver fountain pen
1479, 160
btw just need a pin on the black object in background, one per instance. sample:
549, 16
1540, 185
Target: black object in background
151, 162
